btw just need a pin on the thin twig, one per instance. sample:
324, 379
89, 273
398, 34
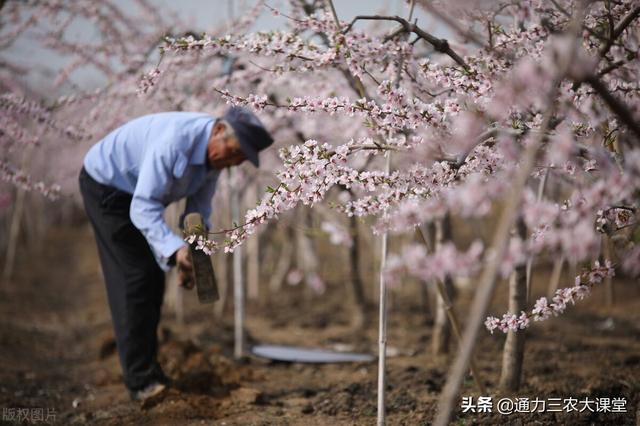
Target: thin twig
611, 67
335, 15
411, 8
469, 35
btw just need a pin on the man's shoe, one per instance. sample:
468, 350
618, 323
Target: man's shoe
149, 391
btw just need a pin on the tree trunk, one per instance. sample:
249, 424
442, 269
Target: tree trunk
224, 272
253, 253
451, 313
35, 217
283, 265
556, 274
608, 283
238, 279
221, 259
513, 353
428, 293
253, 267
357, 287
14, 232
441, 327
306, 259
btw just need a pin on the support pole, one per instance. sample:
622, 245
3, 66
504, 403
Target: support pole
382, 326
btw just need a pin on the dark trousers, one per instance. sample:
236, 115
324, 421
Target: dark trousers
135, 282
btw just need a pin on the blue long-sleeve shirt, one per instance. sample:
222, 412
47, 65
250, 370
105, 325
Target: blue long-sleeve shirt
159, 158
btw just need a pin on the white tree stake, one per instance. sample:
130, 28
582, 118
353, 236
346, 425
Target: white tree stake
382, 326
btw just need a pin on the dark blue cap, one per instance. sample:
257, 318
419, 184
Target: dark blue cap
252, 135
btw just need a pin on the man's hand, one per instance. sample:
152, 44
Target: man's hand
185, 268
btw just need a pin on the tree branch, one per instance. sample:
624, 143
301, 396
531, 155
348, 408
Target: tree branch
441, 45
619, 108
619, 29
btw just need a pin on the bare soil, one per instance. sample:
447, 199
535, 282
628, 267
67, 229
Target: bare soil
57, 353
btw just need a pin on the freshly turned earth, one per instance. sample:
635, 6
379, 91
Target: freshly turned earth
57, 352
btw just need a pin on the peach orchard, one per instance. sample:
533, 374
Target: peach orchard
527, 114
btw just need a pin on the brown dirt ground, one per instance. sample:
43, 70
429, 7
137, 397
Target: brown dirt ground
56, 352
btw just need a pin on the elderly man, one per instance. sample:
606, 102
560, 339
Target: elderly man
128, 179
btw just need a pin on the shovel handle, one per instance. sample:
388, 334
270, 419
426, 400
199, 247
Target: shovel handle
204, 277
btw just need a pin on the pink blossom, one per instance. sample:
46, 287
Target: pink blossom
337, 234
543, 310
294, 277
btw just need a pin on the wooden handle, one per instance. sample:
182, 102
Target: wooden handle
204, 277
193, 223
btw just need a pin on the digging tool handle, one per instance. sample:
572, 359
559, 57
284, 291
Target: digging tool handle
203, 275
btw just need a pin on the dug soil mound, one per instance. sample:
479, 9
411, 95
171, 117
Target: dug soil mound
58, 356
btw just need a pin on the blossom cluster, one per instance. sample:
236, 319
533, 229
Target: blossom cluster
544, 309
22, 180
614, 219
14, 105
296, 53
11, 132
386, 118
202, 243
338, 235
446, 261
309, 172
148, 80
